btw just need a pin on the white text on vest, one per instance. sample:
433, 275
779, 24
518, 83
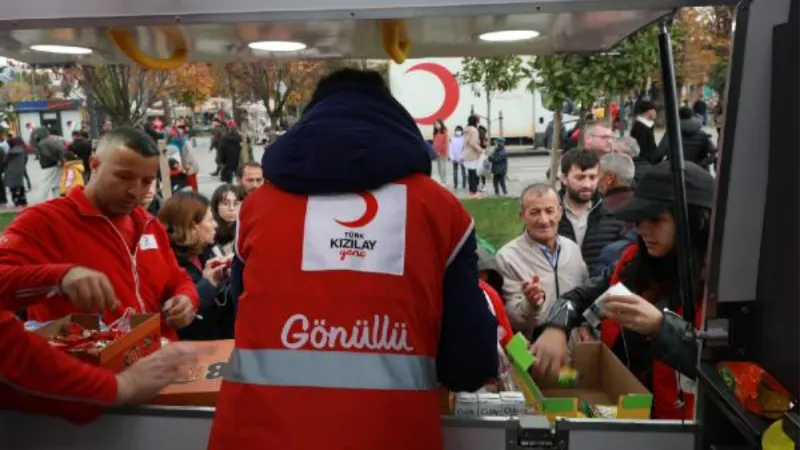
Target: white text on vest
379, 334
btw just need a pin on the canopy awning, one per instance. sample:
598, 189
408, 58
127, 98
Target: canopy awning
219, 31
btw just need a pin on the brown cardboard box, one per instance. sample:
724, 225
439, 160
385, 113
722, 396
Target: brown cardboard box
604, 380
142, 340
202, 383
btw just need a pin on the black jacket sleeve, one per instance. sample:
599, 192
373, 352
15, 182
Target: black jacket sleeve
567, 311
467, 355
671, 347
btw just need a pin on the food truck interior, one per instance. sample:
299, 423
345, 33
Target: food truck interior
752, 298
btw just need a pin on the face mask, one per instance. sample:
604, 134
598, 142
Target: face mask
458, 133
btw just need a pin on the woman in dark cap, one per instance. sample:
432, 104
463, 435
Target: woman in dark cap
644, 327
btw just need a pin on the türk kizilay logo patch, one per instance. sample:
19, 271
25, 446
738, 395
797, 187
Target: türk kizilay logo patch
364, 232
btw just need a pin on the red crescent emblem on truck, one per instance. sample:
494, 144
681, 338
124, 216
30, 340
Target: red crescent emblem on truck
370, 212
452, 92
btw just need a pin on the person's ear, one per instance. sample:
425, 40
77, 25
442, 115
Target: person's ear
94, 163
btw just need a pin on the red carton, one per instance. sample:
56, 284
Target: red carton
143, 339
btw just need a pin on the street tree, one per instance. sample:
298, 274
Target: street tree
193, 84
563, 78
15, 91
489, 77
278, 83
122, 92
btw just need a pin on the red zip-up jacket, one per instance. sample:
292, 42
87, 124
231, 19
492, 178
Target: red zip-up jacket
71, 230
34, 377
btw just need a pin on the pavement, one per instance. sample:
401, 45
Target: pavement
526, 166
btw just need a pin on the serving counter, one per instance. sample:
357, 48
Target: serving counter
187, 428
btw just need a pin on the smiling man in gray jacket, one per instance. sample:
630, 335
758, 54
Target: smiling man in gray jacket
539, 257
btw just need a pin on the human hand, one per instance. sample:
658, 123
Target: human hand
634, 313
89, 290
146, 377
585, 334
550, 351
214, 271
533, 292
179, 311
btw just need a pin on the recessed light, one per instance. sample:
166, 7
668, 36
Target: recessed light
277, 46
509, 35
62, 49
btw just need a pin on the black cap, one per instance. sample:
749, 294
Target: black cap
655, 192
643, 106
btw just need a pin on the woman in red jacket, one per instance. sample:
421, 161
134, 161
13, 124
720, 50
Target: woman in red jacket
65, 386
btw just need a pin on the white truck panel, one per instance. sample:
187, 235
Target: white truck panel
427, 88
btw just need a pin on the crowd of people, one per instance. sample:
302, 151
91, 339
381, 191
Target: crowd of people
351, 275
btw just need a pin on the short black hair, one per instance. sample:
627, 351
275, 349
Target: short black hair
472, 121
585, 160
685, 113
240, 169
642, 106
136, 140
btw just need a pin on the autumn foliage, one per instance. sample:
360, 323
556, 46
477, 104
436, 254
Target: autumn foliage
193, 84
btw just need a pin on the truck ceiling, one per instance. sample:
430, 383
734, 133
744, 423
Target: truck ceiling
220, 31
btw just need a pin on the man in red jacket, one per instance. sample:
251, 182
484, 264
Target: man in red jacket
34, 377
102, 228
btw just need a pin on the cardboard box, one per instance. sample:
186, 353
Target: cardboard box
604, 380
203, 381
143, 339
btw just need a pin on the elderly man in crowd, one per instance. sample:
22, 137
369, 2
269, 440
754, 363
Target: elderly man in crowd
617, 172
598, 139
539, 265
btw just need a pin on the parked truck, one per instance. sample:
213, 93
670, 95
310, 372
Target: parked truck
429, 90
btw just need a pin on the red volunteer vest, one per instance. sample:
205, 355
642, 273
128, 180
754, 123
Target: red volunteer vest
666, 404
339, 322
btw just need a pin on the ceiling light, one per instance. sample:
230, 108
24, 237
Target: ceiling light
62, 49
509, 35
277, 46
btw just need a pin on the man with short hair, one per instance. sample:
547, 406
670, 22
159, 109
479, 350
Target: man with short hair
598, 138
615, 179
586, 220
102, 227
539, 265
617, 172
250, 176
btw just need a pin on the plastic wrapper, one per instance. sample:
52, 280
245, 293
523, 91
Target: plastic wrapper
755, 389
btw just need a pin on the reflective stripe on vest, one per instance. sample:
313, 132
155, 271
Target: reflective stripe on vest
332, 369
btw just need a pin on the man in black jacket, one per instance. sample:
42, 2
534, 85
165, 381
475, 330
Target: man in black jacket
697, 145
586, 220
642, 131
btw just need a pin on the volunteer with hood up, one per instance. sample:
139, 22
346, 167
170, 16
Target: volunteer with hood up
645, 329
360, 286
37, 378
102, 227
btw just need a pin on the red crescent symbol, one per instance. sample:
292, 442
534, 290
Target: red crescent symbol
369, 213
452, 92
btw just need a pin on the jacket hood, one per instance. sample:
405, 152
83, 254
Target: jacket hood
691, 126
351, 139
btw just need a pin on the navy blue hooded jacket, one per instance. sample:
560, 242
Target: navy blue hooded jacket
353, 139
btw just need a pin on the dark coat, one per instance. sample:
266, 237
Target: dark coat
216, 305
601, 229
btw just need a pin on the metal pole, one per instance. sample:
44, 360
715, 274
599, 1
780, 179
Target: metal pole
685, 263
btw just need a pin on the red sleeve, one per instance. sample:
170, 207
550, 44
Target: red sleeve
180, 283
37, 378
25, 275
